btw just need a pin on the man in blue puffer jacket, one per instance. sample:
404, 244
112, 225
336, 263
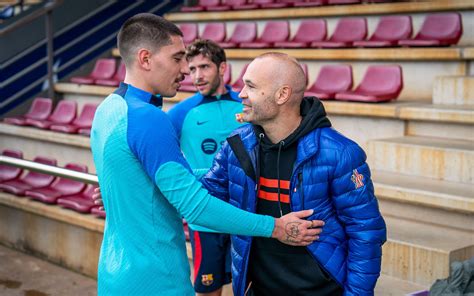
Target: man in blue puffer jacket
291, 159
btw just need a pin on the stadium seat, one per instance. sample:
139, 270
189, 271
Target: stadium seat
309, 3
187, 84
269, 4
8, 172
60, 187
118, 77
243, 32
308, 31
103, 69
274, 31
214, 31
203, 5
438, 29
379, 84
336, 2
241, 4
97, 212
40, 109
347, 31
239, 83
84, 120
331, 80
389, 31
190, 32
81, 202
32, 180
64, 113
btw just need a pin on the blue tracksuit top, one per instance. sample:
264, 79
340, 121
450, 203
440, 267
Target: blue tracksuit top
147, 187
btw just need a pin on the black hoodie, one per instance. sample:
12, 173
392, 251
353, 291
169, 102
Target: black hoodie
275, 268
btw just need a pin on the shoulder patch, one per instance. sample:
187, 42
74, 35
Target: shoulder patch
357, 179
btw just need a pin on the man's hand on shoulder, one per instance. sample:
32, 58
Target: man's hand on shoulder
292, 230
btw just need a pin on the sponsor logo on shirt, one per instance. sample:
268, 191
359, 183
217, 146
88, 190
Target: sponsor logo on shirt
209, 146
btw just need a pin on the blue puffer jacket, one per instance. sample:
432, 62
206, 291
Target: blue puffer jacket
335, 183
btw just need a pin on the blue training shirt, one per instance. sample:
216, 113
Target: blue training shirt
147, 186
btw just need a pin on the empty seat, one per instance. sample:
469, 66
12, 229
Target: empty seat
40, 109
438, 29
98, 212
271, 3
309, 3
215, 32
31, 180
60, 187
389, 31
84, 120
331, 80
103, 69
347, 31
190, 32
187, 84
118, 77
241, 4
81, 202
308, 31
333, 2
8, 172
274, 31
64, 113
380, 83
239, 83
243, 32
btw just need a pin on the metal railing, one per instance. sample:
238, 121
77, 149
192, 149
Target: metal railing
48, 169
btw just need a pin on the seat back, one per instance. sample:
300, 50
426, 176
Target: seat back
381, 81
87, 115
239, 83
275, 31
206, 3
393, 28
104, 69
64, 113
40, 109
8, 172
228, 74
262, 1
121, 72
190, 32
234, 2
244, 32
311, 30
214, 31
333, 79
36, 179
445, 27
350, 29
88, 192
67, 186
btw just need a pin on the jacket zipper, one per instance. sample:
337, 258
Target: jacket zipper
300, 185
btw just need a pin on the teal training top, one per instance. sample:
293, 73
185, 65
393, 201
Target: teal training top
147, 186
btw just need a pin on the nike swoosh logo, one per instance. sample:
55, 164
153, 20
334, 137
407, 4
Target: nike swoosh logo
201, 122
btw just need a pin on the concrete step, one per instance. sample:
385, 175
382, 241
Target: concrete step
454, 90
421, 253
444, 130
425, 200
435, 158
460, 114
390, 286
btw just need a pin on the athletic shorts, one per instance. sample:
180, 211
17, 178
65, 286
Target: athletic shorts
211, 259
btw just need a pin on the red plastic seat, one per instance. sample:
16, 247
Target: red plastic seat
308, 31
268, 4
64, 113
215, 32
309, 3
241, 4
187, 84
333, 2
60, 187
8, 172
84, 131
239, 83
243, 32
379, 84
81, 202
40, 109
103, 69
331, 80
347, 31
31, 180
438, 29
118, 77
84, 120
96, 211
274, 31
389, 31
190, 32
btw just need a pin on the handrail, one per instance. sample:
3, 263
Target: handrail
48, 169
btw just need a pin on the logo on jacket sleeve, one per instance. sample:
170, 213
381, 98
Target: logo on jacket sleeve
357, 179
207, 279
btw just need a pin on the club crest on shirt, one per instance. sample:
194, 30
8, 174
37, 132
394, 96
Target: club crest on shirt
207, 279
357, 179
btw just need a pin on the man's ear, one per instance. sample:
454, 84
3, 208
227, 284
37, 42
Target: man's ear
283, 94
222, 67
144, 58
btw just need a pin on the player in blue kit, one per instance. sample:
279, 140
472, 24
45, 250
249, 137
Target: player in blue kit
146, 184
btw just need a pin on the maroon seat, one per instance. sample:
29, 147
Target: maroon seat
187, 84
332, 2
60, 187
214, 31
389, 31
118, 77
96, 211
40, 109
243, 32
438, 29
190, 32
308, 31
268, 4
309, 3
274, 31
380, 83
84, 131
64, 113
347, 31
81, 202
239, 83
31, 180
331, 80
241, 4
8, 172
103, 69
84, 120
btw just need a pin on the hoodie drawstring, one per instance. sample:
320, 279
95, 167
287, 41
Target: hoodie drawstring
257, 181
278, 175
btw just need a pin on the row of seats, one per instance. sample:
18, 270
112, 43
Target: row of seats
105, 73
438, 29
62, 119
47, 188
223, 5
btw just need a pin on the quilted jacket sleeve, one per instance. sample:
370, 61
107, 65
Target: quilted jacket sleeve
357, 208
216, 180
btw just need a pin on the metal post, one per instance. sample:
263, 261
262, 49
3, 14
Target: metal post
50, 50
